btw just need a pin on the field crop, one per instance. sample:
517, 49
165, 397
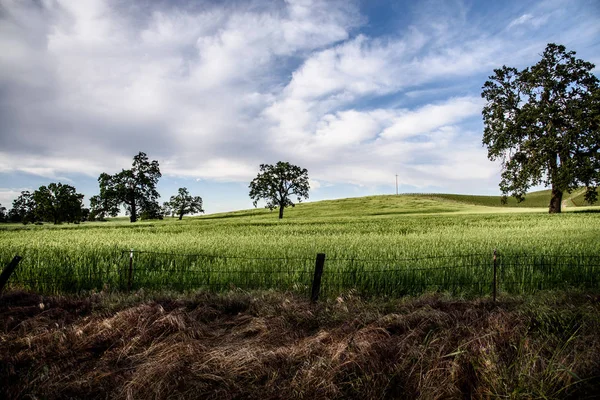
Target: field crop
375, 245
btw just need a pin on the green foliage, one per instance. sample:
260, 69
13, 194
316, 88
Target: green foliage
277, 183
183, 203
101, 207
542, 123
167, 210
58, 203
134, 188
3, 215
23, 209
152, 210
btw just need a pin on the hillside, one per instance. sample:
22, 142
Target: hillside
532, 200
419, 203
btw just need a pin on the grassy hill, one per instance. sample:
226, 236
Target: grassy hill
533, 200
407, 204
424, 229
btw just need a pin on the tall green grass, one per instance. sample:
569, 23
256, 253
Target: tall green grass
375, 245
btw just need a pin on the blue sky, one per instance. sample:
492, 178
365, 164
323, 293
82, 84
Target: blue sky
356, 92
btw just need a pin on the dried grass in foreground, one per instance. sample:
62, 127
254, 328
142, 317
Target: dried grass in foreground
272, 345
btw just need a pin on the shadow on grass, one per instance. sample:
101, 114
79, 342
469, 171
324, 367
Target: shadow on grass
242, 214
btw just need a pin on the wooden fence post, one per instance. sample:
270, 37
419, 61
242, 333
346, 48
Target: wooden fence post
316, 286
130, 277
8, 271
495, 288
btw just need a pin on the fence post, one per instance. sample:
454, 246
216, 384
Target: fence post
130, 277
316, 286
495, 287
7, 272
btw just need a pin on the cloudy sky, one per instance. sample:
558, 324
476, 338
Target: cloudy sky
356, 92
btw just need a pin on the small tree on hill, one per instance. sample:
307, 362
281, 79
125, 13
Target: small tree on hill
543, 123
58, 203
134, 188
276, 184
183, 203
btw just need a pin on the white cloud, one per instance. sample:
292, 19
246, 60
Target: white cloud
432, 116
212, 91
529, 21
314, 184
7, 195
57, 165
521, 20
347, 128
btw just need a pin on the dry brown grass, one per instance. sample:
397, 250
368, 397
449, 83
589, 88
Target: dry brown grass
273, 345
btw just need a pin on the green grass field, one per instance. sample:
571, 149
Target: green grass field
379, 244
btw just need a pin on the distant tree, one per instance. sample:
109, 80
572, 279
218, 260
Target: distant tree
277, 183
134, 188
101, 207
183, 203
167, 210
543, 123
3, 215
23, 209
152, 210
85, 214
58, 203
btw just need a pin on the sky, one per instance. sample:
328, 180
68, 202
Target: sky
357, 92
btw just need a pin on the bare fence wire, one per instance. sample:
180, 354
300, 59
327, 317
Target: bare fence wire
469, 274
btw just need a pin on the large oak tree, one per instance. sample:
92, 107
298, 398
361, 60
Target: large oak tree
134, 188
542, 123
276, 184
58, 203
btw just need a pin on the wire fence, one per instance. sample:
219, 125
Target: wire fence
468, 274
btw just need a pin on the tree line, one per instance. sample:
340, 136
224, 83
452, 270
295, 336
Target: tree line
55, 203
134, 189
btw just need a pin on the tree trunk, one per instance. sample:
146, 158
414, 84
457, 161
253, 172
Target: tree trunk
555, 200
180, 216
281, 212
133, 216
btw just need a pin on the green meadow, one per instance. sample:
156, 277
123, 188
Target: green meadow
374, 245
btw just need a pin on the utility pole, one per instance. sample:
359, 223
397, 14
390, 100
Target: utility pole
396, 184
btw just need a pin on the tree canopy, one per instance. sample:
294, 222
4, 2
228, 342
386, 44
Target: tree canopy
276, 184
23, 208
3, 216
183, 203
542, 123
101, 207
133, 188
58, 203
